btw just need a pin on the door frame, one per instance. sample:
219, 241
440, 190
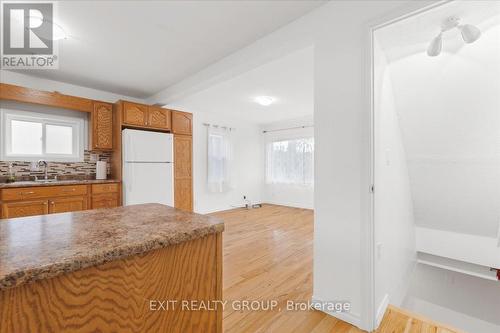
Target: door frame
370, 318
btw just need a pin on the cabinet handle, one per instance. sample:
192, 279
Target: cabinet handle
26, 193
69, 190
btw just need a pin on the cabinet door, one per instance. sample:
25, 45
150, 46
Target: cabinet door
135, 114
183, 182
102, 126
183, 150
24, 208
183, 198
158, 117
182, 123
68, 204
105, 200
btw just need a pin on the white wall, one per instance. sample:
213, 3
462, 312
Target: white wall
449, 109
247, 173
286, 194
339, 32
394, 220
448, 112
462, 301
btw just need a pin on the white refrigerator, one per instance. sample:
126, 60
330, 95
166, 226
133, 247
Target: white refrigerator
148, 167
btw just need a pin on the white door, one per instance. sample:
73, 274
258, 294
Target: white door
148, 183
144, 146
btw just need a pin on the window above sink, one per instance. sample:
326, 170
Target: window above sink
30, 136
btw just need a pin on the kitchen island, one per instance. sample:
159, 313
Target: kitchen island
111, 270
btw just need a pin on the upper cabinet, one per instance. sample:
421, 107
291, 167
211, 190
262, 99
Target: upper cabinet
182, 123
159, 118
146, 116
135, 114
101, 129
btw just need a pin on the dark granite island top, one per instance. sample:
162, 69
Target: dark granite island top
40, 247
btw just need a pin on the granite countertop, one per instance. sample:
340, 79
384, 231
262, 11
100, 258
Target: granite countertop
58, 182
40, 247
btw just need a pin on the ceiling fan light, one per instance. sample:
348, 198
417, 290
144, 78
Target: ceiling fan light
435, 46
470, 33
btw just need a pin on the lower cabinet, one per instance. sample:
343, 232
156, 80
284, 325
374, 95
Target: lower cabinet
105, 201
29, 201
69, 204
105, 195
24, 208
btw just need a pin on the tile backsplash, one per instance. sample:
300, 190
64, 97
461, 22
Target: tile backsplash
84, 169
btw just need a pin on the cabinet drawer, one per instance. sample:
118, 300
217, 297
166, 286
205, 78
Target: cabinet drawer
104, 188
41, 192
108, 200
24, 208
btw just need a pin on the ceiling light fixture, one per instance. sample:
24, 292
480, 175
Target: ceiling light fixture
264, 100
469, 32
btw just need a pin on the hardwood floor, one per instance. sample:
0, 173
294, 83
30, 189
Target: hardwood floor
268, 255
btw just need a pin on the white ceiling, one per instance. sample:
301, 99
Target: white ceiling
413, 35
138, 48
288, 79
449, 113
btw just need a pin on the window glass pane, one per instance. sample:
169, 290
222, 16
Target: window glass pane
291, 162
26, 137
59, 139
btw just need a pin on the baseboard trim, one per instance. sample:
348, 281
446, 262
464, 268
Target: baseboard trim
382, 308
348, 317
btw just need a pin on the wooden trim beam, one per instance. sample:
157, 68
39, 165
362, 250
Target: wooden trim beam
55, 99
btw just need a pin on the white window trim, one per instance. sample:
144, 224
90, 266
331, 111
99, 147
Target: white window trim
78, 126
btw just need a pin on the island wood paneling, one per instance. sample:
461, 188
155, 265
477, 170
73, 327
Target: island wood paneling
114, 297
55, 99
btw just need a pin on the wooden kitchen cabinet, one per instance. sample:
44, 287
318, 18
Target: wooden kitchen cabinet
183, 179
24, 208
144, 116
101, 128
105, 195
182, 123
135, 114
158, 118
183, 193
40, 200
69, 204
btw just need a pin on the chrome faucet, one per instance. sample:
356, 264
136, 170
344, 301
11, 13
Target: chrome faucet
45, 164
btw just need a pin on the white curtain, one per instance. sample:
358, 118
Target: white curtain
219, 159
290, 162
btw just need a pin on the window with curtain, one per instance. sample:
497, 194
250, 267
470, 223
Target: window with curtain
290, 162
219, 159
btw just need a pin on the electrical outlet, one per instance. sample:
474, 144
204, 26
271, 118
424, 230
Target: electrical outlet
94, 157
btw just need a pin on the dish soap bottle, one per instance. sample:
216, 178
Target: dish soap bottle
11, 177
